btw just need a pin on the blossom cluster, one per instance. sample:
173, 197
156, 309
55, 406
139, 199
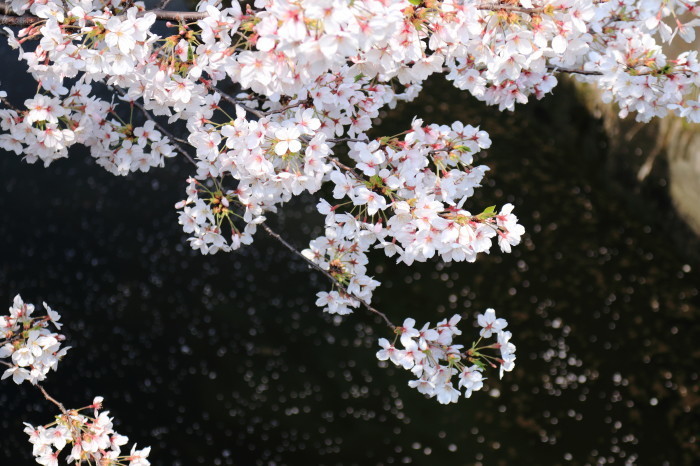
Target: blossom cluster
634, 71
405, 196
34, 350
28, 343
92, 439
52, 124
432, 356
501, 52
266, 162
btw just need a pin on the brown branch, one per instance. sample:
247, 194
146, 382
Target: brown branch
337, 140
574, 71
520, 9
9, 18
52, 399
43, 391
507, 7
283, 109
164, 15
348, 169
368, 306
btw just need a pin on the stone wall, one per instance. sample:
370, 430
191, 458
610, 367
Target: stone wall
663, 155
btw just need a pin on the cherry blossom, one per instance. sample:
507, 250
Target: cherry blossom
34, 350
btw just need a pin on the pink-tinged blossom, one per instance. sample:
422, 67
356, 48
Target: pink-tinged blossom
490, 323
35, 350
433, 356
92, 437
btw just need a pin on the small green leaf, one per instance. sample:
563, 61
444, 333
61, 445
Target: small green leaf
415, 2
487, 213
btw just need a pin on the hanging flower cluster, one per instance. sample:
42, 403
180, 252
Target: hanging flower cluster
34, 350
405, 196
91, 438
432, 356
28, 343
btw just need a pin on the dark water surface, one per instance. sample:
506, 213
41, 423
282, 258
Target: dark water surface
225, 359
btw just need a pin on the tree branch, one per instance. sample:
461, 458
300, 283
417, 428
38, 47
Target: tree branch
52, 399
164, 15
520, 9
8, 18
507, 7
43, 391
337, 140
573, 71
314, 265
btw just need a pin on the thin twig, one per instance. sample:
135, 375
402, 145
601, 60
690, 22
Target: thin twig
520, 9
283, 109
338, 140
327, 274
43, 391
160, 127
238, 102
348, 169
507, 7
163, 4
52, 399
573, 71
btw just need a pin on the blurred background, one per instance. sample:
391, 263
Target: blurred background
226, 360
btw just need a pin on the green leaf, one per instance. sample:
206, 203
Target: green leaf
487, 213
415, 2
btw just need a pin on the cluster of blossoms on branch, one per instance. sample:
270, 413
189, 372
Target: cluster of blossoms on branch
34, 350
27, 341
92, 437
405, 196
432, 356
